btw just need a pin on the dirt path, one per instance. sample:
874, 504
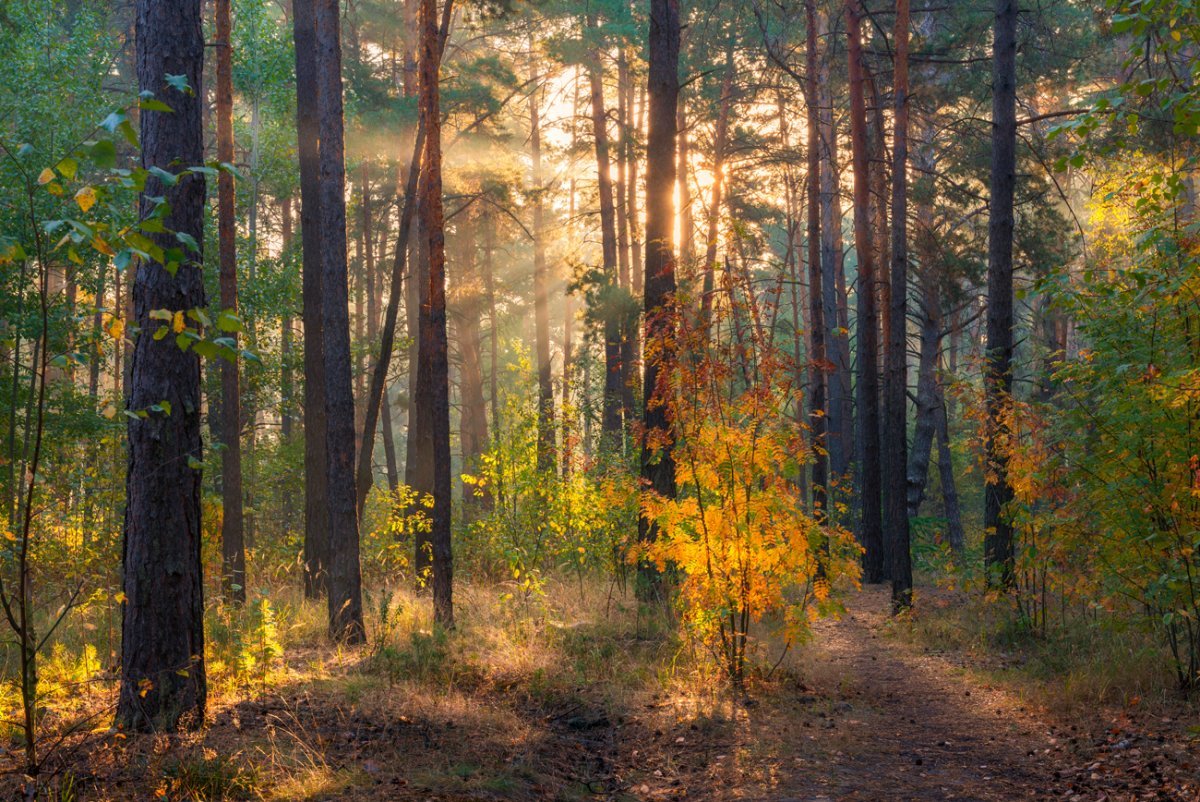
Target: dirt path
893, 722
882, 719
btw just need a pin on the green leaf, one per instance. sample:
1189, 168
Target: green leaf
104, 154
229, 321
179, 83
154, 104
167, 178
67, 168
188, 240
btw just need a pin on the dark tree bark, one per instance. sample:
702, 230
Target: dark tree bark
345, 583
816, 329
541, 310
867, 387
418, 468
287, 375
611, 426
233, 549
924, 430
839, 430
954, 525
998, 535
316, 504
657, 460
162, 638
433, 337
895, 517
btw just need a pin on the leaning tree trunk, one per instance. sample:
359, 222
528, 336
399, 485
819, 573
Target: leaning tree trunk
316, 503
162, 636
998, 538
657, 461
345, 583
433, 337
867, 387
233, 549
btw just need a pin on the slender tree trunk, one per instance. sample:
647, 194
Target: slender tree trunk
657, 460
287, 375
233, 549
720, 141
896, 363
418, 469
316, 503
687, 222
433, 337
611, 428
998, 533
345, 584
954, 525
162, 638
624, 274
816, 328
541, 280
631, 197
917, 470
867, 386
839, 418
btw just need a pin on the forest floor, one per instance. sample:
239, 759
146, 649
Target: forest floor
589, 711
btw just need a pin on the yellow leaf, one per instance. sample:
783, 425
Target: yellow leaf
116, 328
109, 411
177, 323
45, 176
86, 198
103, 247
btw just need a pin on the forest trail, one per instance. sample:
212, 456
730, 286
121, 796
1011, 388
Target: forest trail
888, 720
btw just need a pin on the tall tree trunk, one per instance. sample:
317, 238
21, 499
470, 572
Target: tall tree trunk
233, 549
720, 141
954, 525
541, 280
896, 363
316, 502
163, 682
611, 428
687, 222
657, 460
867, 386
818, 372
345, 583
839, 419
418, 469
624, 274
998, 534
917, 471
287, 374
631, 195
433, 336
